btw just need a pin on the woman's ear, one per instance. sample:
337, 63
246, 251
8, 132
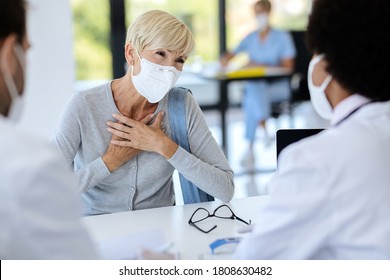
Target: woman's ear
130, 53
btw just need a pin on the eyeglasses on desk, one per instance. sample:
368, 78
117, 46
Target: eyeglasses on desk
223, 212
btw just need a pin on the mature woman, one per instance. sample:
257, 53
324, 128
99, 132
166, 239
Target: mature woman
118, 136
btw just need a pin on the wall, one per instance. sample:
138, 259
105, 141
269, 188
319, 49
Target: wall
50, 69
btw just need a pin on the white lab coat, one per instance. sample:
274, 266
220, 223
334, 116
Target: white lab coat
39, 208
330, 198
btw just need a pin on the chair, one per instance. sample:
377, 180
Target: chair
299, 88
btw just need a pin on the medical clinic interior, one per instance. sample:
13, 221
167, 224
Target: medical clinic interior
89, 36
196, 130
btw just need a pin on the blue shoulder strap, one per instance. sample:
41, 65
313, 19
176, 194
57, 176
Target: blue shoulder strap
178, 123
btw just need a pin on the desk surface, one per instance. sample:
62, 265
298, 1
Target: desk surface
173, 221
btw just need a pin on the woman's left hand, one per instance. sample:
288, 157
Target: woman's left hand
140, 136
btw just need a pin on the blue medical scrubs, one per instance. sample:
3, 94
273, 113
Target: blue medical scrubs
259, 94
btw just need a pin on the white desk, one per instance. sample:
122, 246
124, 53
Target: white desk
188, 241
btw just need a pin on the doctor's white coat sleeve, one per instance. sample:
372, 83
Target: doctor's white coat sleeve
42, 215
292, 224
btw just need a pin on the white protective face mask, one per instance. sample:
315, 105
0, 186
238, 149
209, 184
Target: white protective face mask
17, 100
154, 81
317, 93
262, 21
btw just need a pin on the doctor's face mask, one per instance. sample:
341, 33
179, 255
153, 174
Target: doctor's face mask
317, 93
154, 81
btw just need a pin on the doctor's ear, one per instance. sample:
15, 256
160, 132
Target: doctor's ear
7, 57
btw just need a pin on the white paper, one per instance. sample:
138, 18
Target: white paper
128, 247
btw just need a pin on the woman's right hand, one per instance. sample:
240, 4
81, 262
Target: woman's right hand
116, 155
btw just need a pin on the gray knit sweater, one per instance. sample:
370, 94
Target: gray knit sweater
146, 180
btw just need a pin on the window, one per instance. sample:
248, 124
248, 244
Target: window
285, 14
200, 16
92, 27
91, 39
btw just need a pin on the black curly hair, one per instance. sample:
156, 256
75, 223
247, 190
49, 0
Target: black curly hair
13, 18
354, 36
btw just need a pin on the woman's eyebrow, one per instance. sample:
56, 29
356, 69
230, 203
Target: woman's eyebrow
180, 55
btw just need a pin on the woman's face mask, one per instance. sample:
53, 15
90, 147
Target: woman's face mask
17, 100
317, 93
154, 81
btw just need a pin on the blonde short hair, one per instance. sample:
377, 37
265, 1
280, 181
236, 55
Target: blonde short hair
158, 29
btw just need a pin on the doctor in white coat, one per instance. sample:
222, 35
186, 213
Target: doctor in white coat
330, 198
39, 208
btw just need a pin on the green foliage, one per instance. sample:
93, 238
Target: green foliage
91, 34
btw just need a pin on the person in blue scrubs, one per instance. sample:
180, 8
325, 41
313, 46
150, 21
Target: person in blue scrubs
270, 47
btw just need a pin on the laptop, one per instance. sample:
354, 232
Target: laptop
285, 137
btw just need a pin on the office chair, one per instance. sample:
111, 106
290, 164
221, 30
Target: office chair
299, 88
298, 82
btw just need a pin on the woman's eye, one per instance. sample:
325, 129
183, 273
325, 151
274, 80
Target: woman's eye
161, 53
180, 60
